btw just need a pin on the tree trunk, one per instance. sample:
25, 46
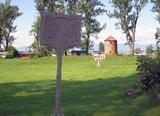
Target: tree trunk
7, 44
87, 44
0, 40
7, 40
38, 47
133, 42
132, 49
58, 87
87, 47
0, 43
65, 53
157, 48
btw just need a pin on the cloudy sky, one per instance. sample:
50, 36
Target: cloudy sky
146, 27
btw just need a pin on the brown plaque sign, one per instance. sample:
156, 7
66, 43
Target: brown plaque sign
60, 32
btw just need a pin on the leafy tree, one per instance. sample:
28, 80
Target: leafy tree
12, 52
156, 8
127, 13
35, 32
138, 51
149, 50
101, 47
90, 9
157, 37
83, 44
8, 14
72, 6
54, 6
72, 9
36, 45
150, 74
2, 23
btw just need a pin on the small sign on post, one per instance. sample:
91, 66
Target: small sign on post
60, 32
98, 58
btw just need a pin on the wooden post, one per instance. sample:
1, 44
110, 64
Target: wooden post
58, 87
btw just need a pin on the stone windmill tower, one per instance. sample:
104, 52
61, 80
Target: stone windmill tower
110, 46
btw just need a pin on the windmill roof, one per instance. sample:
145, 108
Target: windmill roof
110, 38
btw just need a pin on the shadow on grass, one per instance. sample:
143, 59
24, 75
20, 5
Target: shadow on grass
102, 97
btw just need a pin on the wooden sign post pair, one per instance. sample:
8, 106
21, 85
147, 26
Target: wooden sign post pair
60, 32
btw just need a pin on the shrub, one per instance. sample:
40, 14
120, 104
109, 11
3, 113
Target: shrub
149, 50
12, 52
138, 51
149, 69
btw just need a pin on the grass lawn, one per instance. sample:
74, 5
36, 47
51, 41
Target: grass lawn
27, 87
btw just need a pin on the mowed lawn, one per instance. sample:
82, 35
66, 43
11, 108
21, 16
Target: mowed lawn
27, 87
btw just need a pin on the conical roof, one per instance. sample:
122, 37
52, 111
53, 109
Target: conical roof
110, 38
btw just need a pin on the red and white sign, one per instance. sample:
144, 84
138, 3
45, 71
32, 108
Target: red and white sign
98, 58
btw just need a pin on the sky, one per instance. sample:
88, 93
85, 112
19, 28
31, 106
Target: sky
146, 26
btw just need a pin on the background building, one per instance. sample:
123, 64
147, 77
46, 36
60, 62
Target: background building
110, 46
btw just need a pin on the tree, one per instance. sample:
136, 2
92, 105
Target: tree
138, 51
8, 14
148, 68
157, 37
89, 10
35, 32
156, 8
12, 52
127, 13
54, 6
72, 9
101, 47
72, 6
149, 50
36, 45
2, 23
83, 44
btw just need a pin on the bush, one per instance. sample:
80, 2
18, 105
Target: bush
149, 50
138, 51
149, 69
12, 52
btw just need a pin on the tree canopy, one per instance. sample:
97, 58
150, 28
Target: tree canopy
156, 8
127, 13
53, 6
101, 47
8, 14
157, 37
149, 49
90, 9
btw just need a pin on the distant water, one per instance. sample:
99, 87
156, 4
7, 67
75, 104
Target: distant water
25, 48
121, 47
124, 48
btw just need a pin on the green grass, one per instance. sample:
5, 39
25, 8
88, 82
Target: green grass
27, 87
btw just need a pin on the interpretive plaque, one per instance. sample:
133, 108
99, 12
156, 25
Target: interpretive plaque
60, 32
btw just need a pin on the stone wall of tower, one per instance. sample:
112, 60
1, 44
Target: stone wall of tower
111, 47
